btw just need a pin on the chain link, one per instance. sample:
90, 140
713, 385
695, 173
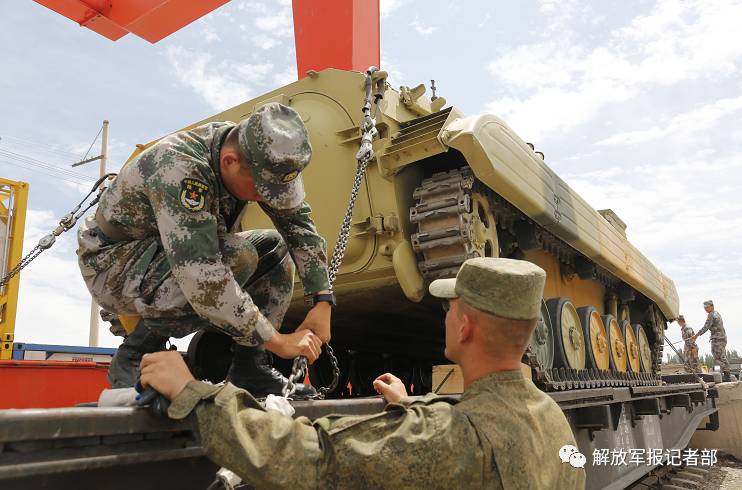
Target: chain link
23, 263
364, 155
67, 222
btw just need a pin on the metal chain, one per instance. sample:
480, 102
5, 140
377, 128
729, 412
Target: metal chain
67, 222
23, 263
364, 155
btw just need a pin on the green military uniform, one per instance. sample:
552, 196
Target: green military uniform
690, 350
160, 246
715, 324
503, 433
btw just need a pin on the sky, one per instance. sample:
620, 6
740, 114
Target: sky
636, 104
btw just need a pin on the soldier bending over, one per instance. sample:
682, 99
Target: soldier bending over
690, 351
159, 246
503, 432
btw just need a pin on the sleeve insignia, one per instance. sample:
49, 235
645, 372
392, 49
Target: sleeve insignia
193, 194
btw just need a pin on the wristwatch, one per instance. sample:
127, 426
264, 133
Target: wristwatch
327, 297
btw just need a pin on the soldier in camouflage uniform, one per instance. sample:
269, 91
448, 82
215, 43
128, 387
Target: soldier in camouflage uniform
159, 246
715, 324
503, 432
690, 351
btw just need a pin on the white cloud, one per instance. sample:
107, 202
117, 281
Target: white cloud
221, 84
264, 42
686, 123
209, 35
396, 76
677, 41
253, 73
285, 77
276, 21
387, 7
421, 28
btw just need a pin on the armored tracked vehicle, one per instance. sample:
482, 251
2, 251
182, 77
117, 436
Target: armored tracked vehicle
443, 187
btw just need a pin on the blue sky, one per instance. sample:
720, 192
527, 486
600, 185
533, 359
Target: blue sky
635, 103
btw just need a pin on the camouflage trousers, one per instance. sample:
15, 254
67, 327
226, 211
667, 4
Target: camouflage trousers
137, 279
692, 365
719, 351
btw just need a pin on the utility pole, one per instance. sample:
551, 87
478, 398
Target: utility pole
94, 316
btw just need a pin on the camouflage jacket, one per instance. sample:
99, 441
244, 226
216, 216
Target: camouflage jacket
716, 325
503, 433
174, 190
687, 334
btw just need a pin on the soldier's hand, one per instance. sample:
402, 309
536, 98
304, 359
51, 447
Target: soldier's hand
318, 321
166, 372
391, 387
300, 343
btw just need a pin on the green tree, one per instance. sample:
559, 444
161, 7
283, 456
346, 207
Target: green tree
708, 361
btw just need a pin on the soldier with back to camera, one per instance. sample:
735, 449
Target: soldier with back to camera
503, 432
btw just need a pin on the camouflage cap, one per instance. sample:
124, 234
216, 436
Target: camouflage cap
275, 144
506, 288
708, 303
680, 318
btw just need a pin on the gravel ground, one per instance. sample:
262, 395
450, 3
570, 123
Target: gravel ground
726, 474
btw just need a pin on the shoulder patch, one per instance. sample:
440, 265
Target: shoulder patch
193, 194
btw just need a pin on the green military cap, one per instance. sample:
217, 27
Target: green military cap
506, 288
681, 318
708, 303
275, 144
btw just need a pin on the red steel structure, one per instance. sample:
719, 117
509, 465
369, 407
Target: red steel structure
152, 20
342, 34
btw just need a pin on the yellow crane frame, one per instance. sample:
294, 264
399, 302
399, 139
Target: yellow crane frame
13, 202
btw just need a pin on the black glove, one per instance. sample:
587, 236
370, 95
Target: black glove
157, 403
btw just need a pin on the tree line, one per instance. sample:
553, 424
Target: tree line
706, 359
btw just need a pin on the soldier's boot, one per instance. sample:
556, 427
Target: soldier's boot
726, 376
124, 369
252, 369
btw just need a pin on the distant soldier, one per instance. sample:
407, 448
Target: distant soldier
718, 338
690, 352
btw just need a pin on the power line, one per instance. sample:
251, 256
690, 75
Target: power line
44, 165
72, 180
40, 146
40, 163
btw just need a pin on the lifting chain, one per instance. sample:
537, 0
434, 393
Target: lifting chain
375, 86
67, 222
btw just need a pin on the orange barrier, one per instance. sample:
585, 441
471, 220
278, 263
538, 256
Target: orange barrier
50, 384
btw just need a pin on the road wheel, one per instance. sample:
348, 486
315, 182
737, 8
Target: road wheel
632, 347
569, 341
645, 351
483, 226
542, 339
596, 345
616, 344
